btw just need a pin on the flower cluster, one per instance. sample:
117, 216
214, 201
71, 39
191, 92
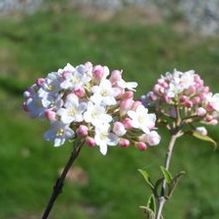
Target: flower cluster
187, 91
89, 102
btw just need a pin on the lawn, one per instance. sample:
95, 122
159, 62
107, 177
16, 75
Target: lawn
32, 46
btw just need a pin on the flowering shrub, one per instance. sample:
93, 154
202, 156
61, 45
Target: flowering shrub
181, 102
87, 101
186, 95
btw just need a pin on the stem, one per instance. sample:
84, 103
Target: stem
57, 188
162, 199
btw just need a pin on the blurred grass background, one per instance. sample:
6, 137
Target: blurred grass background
32, 46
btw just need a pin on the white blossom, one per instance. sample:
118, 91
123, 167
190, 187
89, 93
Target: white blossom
58, 133
141, 119
104, 94
96, 115
104, 137
73, 110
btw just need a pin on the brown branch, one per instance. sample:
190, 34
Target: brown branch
57, 188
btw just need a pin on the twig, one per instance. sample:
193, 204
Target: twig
162, 199
57, 188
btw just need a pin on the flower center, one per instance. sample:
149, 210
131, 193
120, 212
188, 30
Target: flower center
60, 132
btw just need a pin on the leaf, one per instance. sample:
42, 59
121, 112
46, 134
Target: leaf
174, 183
205, 138
152, 203
166, 174
146, 177
158, 187
149, 214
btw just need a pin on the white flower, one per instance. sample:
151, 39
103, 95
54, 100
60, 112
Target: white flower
50, 85
187, 79
214, 101
127, 85
74, 77
153, 138
35, 107
59, 133
73, 110
202, 131
104, 137
174, 89
179, 81
104, 94
50, 100
96, 115
85, 71
141, 119
67, 68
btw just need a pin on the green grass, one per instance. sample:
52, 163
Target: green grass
35, 45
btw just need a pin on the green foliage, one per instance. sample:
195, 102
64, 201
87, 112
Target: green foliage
205, 138
152, 203
146, 178
166, 174
174, 182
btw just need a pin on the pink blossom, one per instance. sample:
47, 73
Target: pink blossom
124, 142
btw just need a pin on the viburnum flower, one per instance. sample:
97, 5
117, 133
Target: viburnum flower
183, 95
90, 103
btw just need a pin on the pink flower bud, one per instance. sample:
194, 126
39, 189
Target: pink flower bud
188, 103
191, 90
209, 107
40, 82
162, 90
213, 122
135, 105
124, 142
165, 85
128, 95
82, 131
127, 122
206, 89
197, 78
158, 89
90, 141
141, 146
183, 99
50, 115
98, 72
152, 96
80, 92
160, 81
119, 129
201, 111
125, 105
196, 100
116, 75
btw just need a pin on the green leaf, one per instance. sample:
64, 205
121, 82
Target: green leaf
152, 203
166, 174
158, 187
146, 177
174, 183
149, 214
205, 138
